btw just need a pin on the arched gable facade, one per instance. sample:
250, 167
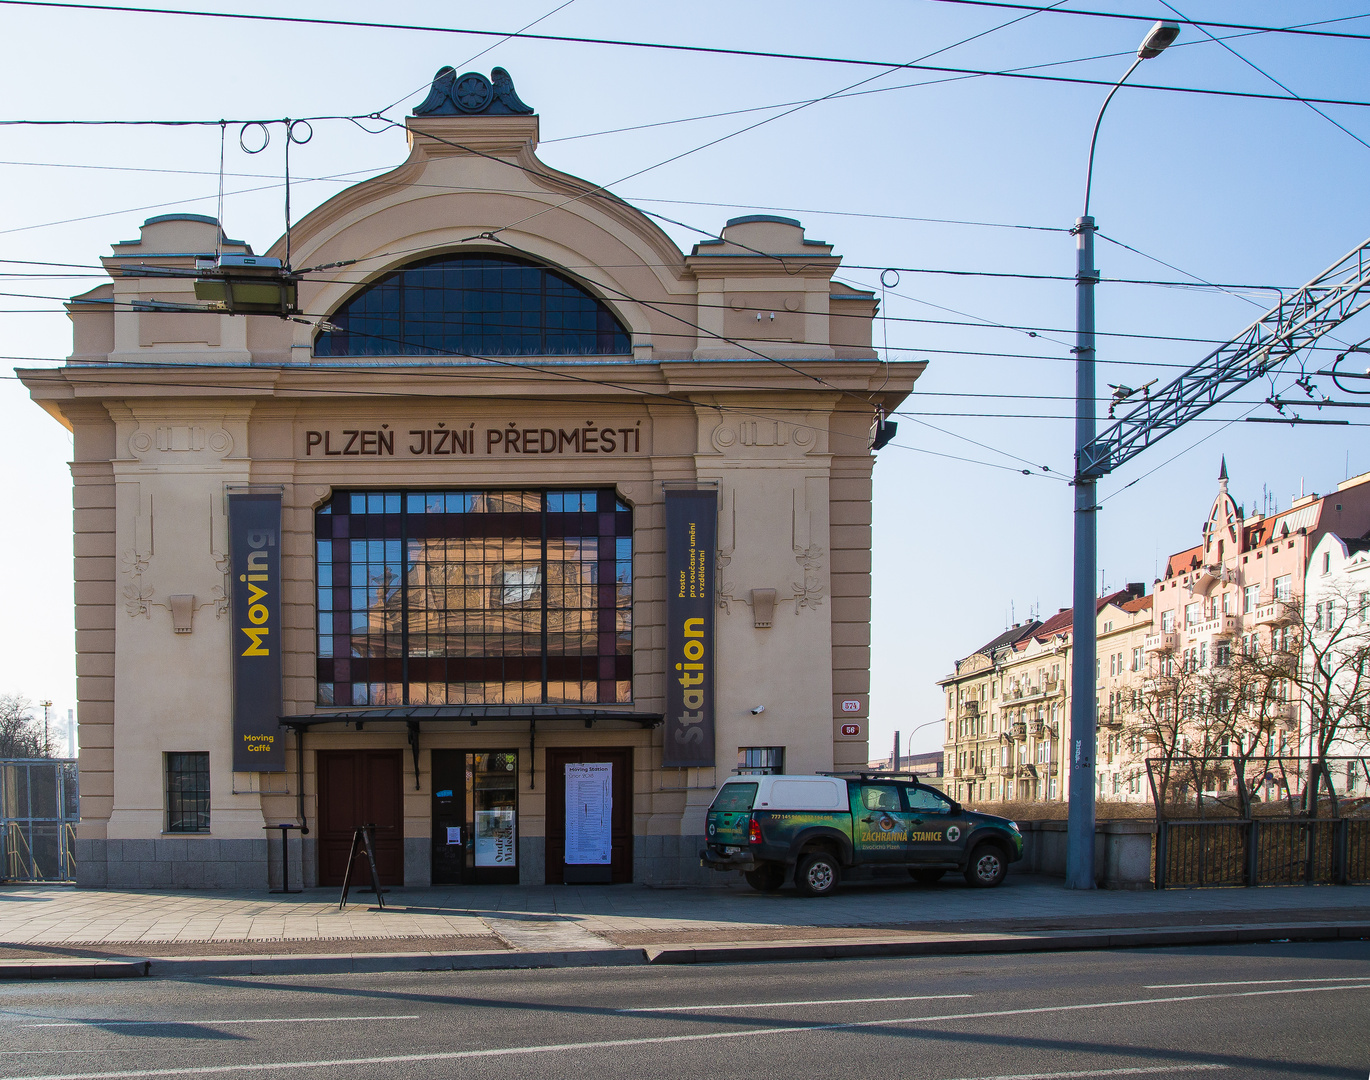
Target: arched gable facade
476, 573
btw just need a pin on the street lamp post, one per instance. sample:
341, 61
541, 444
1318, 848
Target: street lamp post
1084, 645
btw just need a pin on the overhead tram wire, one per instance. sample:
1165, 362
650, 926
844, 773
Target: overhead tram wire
761, 123
1299, 29
664, 399
970, 323
494, 45
673, 47
1261, 71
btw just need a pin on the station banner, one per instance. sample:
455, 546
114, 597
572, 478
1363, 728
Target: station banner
254, 550
691, 539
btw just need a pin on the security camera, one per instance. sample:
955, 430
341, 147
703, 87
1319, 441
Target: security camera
758, 710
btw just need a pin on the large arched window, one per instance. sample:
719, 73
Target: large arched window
473, 305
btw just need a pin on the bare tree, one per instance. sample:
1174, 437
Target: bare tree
1155, 726
1327, 638
21, 736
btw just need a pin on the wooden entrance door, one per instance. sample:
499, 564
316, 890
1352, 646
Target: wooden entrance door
359, 787
621, 818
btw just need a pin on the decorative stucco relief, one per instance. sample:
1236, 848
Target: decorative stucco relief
808, 593
761, 435
180, 439
137, 593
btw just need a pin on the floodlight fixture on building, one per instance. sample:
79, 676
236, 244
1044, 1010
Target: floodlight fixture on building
882, 430
248, 285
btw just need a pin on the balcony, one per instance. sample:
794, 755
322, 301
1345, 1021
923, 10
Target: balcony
1219, 629
1265, 614
1051, 686
980, 770
1208, 576
1052, 768
971, 708
1159, 642
1019, 730
1111, 723
1039, 729
1285, 714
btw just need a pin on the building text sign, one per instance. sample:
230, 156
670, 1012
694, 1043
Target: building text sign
254, 549
616, 438
691, 529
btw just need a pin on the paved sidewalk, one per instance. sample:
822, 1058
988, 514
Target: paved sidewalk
40, 922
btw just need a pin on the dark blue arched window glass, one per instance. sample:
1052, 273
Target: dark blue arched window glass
473, 305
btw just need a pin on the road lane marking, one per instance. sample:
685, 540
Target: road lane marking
1255, 982
215, 1023
779, 1004
103, 1050
658, 1040
1133, 1070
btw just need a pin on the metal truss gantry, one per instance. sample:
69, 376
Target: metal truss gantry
1295, 323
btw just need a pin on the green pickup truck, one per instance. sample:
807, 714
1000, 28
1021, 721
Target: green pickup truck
825, 826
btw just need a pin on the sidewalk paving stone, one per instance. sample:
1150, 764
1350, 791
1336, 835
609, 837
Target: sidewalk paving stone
49, 921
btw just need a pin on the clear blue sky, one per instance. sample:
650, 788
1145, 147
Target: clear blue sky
1233, 191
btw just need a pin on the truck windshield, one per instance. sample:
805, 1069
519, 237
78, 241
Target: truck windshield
734, 797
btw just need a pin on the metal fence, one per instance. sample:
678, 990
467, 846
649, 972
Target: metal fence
1261, 820
39, 809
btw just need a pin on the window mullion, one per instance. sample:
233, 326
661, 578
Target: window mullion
404, 599
542, 571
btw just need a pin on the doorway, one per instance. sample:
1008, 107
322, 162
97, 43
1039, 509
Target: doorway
360, 787
619, 869
475, 817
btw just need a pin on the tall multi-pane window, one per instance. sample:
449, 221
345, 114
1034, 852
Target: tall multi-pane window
1251, 598
1284, 587
187, 792
474, 597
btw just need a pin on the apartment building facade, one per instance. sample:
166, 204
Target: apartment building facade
1008, 705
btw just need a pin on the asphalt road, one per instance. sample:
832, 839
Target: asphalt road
1278, 1010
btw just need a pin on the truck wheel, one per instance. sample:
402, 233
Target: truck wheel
817, 874
768, 877
987, 867
925, 877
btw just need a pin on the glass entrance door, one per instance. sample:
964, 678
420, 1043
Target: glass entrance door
475, 817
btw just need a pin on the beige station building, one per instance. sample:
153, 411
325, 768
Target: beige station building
470, 433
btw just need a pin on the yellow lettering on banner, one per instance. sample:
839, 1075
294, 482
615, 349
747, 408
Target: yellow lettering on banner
256, 633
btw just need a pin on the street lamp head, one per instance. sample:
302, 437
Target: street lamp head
1157, 40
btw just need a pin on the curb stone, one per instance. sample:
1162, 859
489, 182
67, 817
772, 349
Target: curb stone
940, 945
12, 970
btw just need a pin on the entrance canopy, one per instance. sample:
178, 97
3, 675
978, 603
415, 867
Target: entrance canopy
561, 716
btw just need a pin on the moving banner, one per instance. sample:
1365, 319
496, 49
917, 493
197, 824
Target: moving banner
254, 549
691, 536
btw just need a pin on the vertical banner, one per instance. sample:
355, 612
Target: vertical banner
254, 549
691, 536
589, 813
